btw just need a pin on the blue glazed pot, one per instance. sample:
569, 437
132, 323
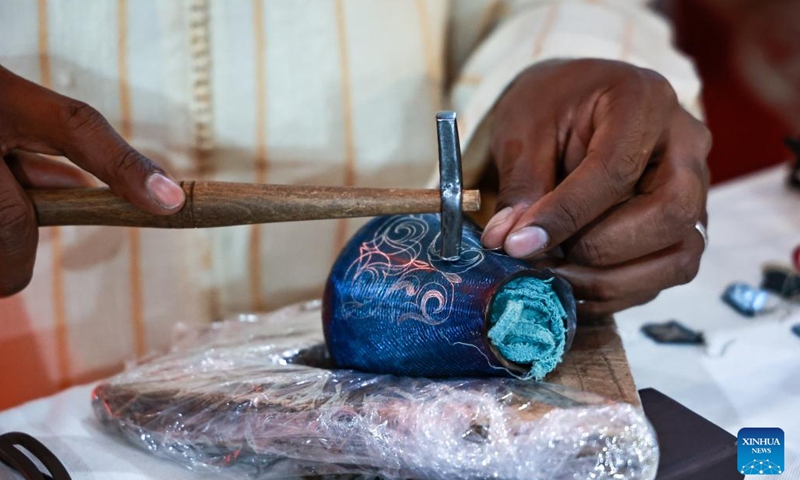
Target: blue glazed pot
391, 305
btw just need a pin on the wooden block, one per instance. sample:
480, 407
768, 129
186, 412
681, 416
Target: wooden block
597, 363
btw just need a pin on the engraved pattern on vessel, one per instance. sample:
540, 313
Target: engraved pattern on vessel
403, 260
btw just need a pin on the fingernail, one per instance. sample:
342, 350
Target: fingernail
167, 193
498, 219
526, 241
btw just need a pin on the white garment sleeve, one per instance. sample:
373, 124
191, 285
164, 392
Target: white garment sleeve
538, 30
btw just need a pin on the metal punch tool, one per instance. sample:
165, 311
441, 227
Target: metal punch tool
450, 185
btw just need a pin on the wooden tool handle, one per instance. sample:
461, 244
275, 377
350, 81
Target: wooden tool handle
220, 204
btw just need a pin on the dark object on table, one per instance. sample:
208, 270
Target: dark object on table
12, 446
747, 300
673, 332
781, 280
793, 144
692, 448
796, 329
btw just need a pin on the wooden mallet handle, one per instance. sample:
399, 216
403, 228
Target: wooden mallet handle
221, 204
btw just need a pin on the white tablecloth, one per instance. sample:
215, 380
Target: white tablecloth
748, 376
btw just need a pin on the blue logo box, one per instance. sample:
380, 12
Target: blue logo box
760, 451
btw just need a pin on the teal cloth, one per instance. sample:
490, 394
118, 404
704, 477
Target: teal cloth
527, 325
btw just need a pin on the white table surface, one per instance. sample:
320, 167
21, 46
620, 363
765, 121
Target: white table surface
748, 376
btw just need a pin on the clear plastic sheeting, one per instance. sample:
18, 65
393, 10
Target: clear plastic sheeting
252, 397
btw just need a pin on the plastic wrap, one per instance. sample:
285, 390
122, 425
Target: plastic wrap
252, 398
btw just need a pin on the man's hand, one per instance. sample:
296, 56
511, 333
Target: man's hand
598, 158
35, 120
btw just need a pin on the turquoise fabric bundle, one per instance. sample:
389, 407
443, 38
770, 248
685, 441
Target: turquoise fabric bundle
527, 325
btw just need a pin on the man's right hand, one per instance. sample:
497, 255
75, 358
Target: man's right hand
35, 120
597, 157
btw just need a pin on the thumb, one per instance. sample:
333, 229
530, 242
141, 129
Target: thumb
526, 173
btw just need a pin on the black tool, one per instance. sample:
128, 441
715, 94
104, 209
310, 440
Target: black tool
13, 448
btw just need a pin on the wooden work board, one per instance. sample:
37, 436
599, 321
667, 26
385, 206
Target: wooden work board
597, 363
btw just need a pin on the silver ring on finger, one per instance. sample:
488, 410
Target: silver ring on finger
701, 229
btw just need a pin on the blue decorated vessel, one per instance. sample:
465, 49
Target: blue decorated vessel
392, 305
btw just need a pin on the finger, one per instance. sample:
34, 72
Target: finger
37, 171
670, 201
93, 145
526, 164
46, 122
674, 266
18, 235
618, 153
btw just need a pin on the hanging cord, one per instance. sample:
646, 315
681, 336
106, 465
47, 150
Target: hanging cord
12, 448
